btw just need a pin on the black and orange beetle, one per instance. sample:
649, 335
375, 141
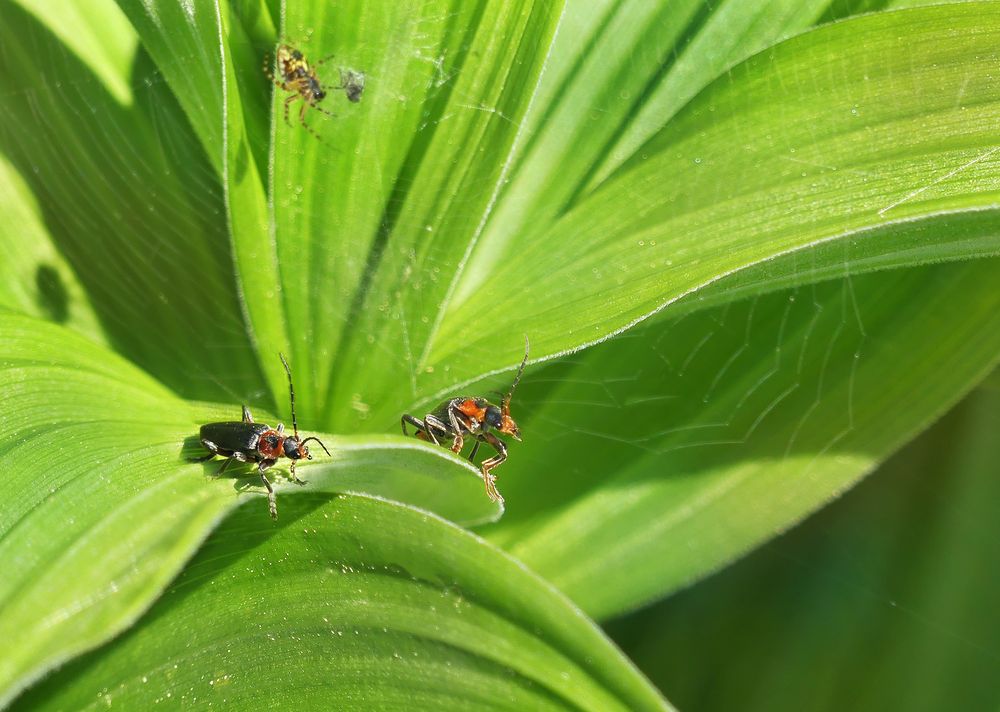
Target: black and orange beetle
248, 441
475, 417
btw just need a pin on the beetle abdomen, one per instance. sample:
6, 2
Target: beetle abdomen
234, 435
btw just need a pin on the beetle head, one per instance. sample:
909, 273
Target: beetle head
499, 419
508, 426
304, 451
493, 417
294, 450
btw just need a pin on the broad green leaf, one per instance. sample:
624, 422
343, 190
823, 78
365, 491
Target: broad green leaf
663, 455
214, 70
619, 72
102, 508
355, 603
991, 382
129, 201
184, 41
884, 119
373, 220
206, 235
96, 33
938, 238
885, 600
732, 31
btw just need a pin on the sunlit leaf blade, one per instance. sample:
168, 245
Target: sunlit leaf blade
101, 508
911, 553
213, 69
619, 72
725, 34
704, 436
34, 278
373, 218
98, 512
183, 39
939, 238
356, 603
129, 201
881, 119
405, 470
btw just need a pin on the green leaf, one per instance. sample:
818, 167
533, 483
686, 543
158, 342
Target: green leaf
659, 457
102, 508
355, 602
183, 40
34, 277
403, 255
820, 139
375, 217
128, 199
895, 584
618, 73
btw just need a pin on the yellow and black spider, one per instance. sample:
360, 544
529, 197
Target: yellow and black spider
296, 76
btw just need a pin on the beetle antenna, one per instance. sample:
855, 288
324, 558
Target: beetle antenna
291, 394
517, 378
313, 437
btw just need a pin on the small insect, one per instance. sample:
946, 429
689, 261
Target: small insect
248, 441
475, 417
296, 76
353, 84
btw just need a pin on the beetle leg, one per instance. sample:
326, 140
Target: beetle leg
224, 466
272, 503
433, 424
212, 448
488, 465
475, 449
425, 428
247, 418
295, 478
456, 446
415, 422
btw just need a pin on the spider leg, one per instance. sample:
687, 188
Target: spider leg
327, 57
266, 68
320, 109
288, 102
302, 118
